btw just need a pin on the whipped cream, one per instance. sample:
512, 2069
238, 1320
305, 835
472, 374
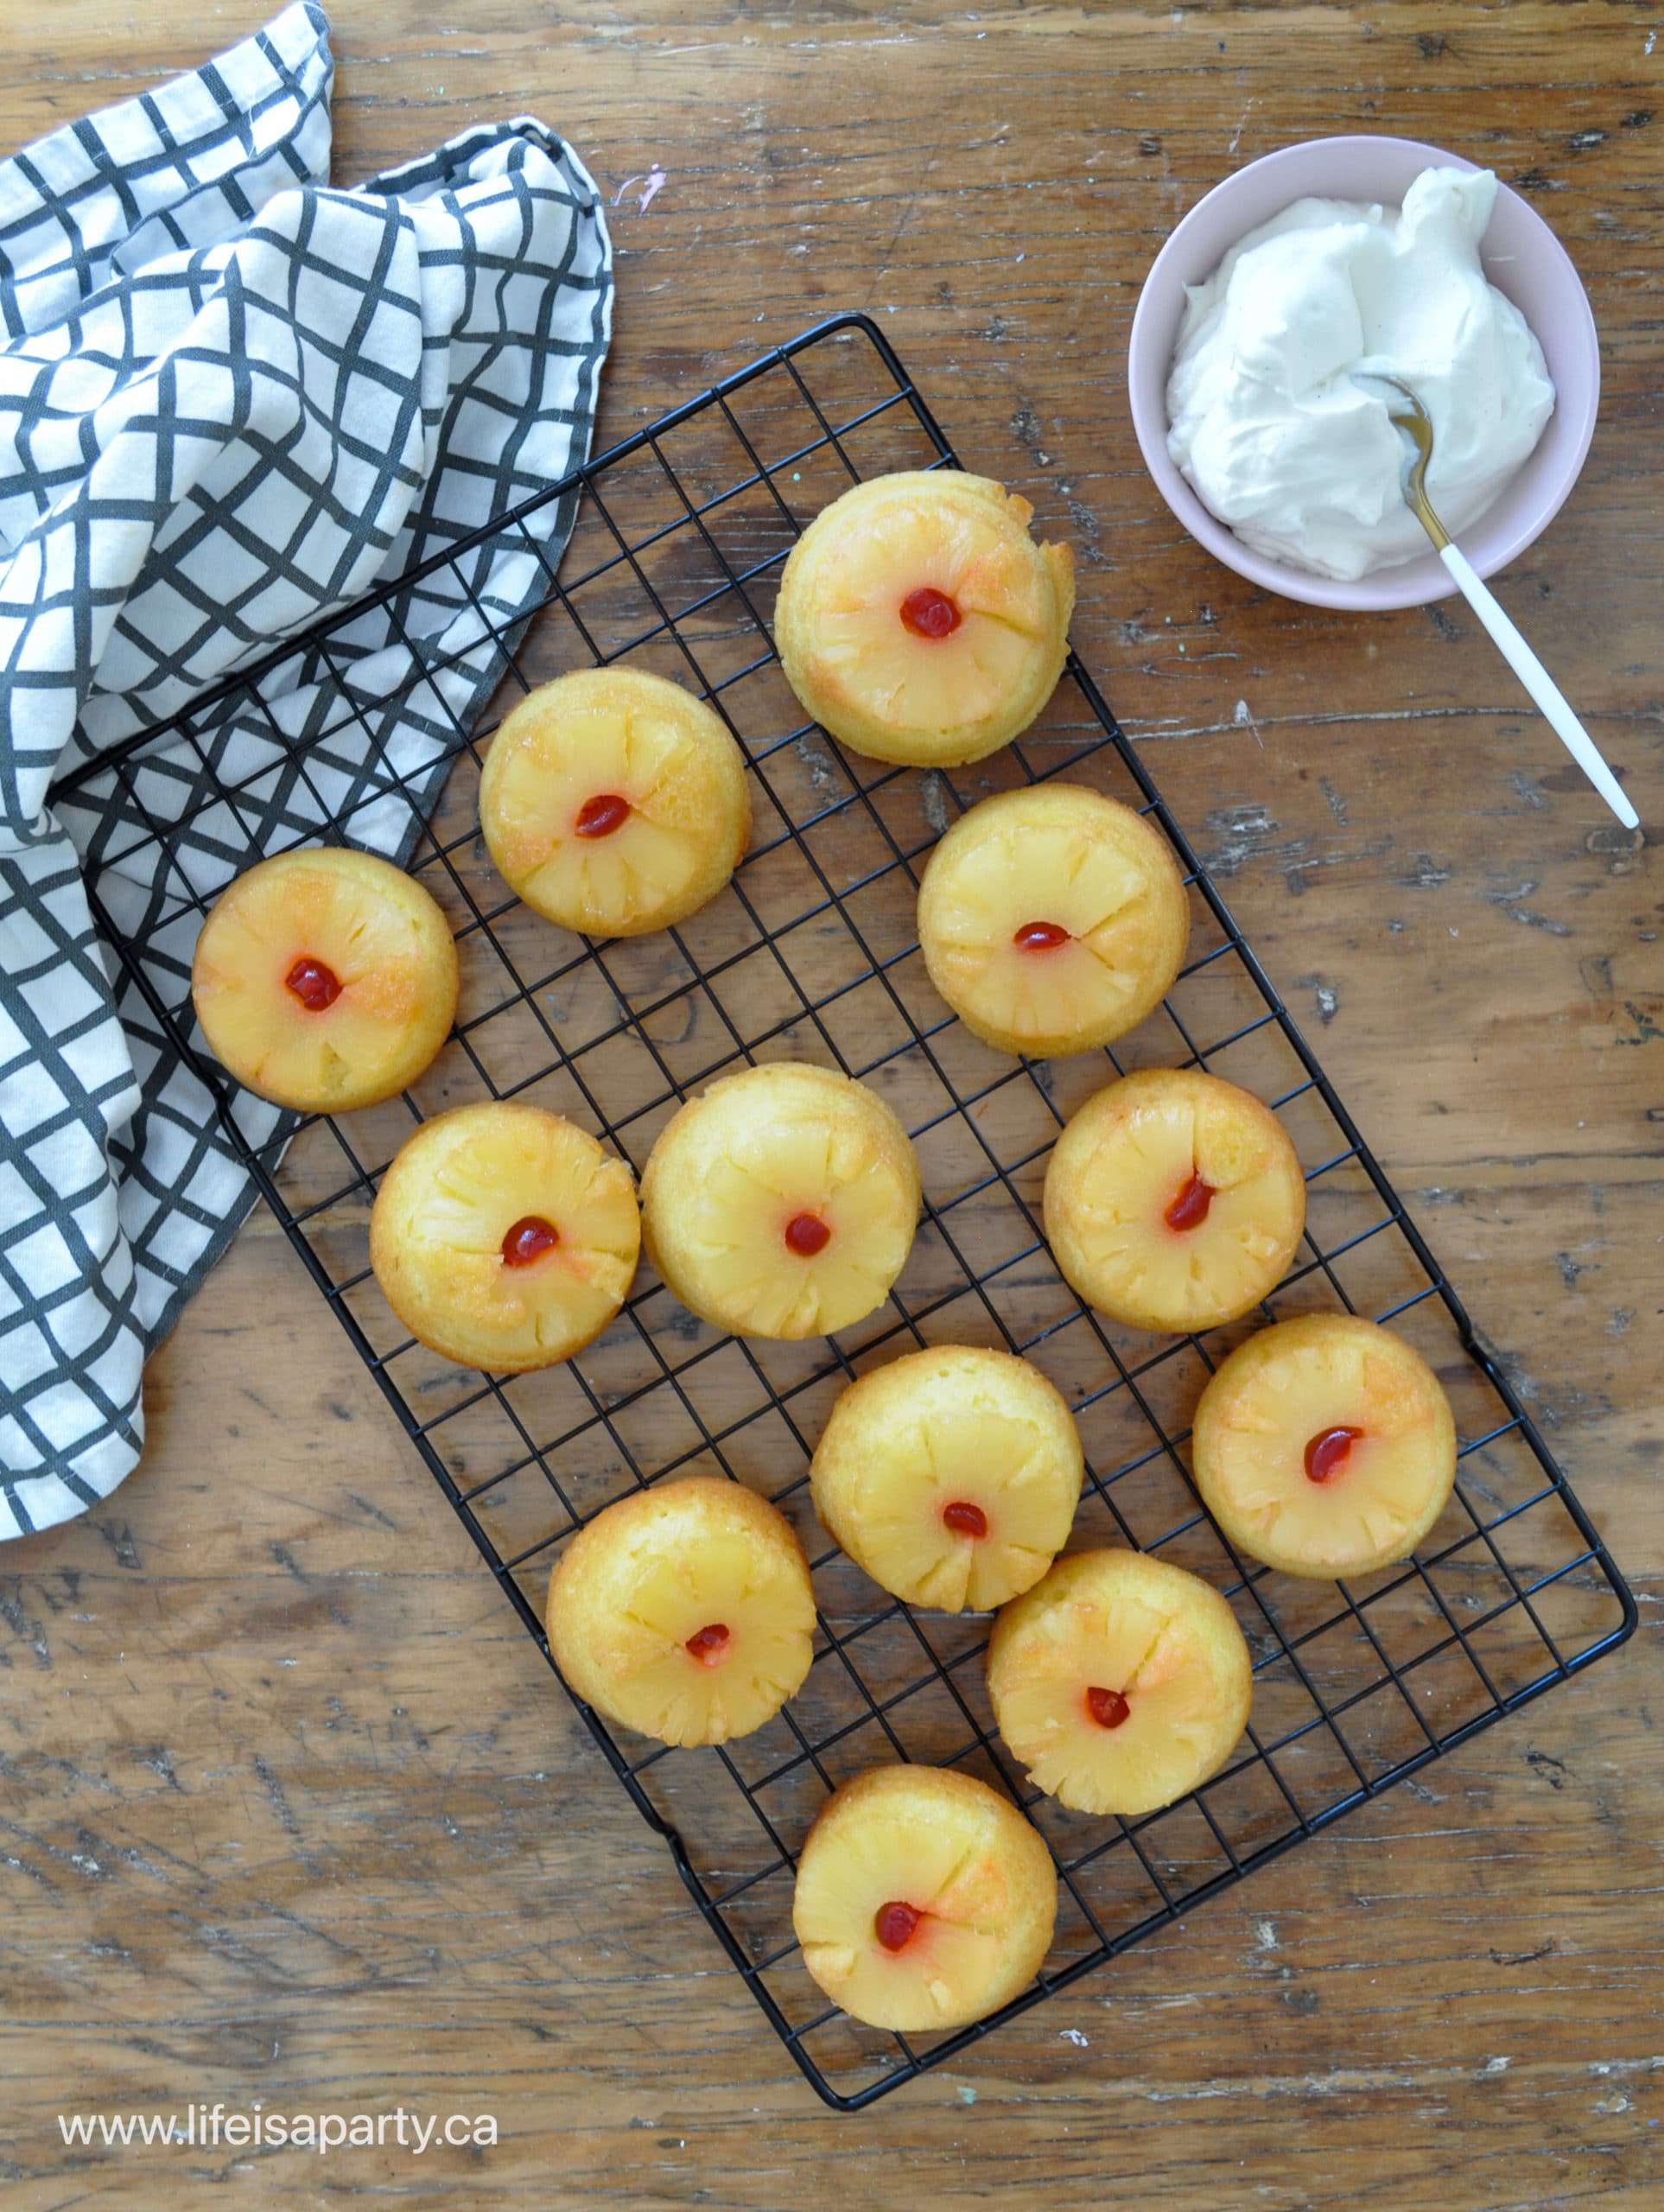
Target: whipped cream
1268, 420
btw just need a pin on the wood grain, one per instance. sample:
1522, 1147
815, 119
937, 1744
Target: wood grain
290, 1810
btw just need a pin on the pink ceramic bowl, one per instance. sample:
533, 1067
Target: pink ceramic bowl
1522, 257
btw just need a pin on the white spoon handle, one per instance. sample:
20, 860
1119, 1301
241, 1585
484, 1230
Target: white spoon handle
1540, 684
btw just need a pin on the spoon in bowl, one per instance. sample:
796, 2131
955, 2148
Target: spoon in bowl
1409, 416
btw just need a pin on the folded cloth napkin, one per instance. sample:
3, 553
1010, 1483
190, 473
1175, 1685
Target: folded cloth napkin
230, 399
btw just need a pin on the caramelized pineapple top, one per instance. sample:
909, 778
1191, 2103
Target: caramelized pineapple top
1325, 1446
1174, 1200
1052, 918
746, 1177
325, 979
1120, 1681
615, 802
951, 1475
918, 620
923, 1898
504, 1235
684, 1610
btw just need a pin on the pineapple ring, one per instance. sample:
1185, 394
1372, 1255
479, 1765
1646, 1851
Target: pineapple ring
1324, 1446
1173, 1200
1053, 919
941, 1862
918, 621
781, 1202
325, 979
614, 803
504, 1236
685, 1611
1120, 1681
951, 1476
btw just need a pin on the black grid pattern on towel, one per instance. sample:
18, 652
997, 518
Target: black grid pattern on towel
679, 540
231, 406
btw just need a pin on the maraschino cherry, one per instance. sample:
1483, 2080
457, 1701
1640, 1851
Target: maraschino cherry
1327, 1452
709, 1644
807, 1234
1040, 936
928, 612
1189, 1209
600, 816
895, 1924
1108, 1707
528, 1240
314, 984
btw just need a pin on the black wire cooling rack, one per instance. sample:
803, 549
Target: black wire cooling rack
680, 534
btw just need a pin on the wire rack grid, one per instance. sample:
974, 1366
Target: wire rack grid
681, 532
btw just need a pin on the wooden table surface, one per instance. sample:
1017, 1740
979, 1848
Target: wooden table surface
290, 1811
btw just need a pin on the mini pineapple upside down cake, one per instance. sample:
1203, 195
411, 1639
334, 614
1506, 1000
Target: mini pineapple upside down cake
504, 1236
1120, 1681
920, 622
615, 802
1053, 919
1324, 1446
325, 979
684, 1611
1173, 1200
781, 1202
924, 1899
951, 1476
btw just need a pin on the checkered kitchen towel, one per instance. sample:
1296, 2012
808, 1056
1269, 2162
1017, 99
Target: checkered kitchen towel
230, 398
